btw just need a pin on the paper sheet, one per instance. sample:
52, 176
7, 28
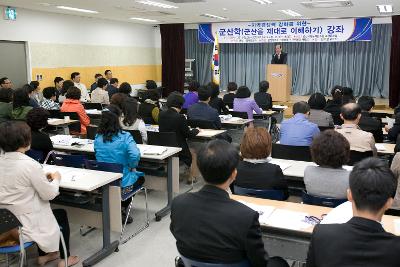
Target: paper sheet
287, 219
283, 165
93, 111
67, 175
68, 140
263, 211
380, 147
157, 150
279, 106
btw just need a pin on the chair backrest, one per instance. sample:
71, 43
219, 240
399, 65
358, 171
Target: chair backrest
193, 263
55, 113
356, 156
322, 201
260, 193
37, 155
280, 151
103, 166
74, 127
8, 221
91, 131
75, 161
183, 111
202, 124
136, 136
162, 139
239, 114
89, 105
324, 128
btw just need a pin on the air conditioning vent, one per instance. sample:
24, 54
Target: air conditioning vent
185, 1
327, 4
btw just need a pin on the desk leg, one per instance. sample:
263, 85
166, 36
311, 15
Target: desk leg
66, 130
163, 212
108, 247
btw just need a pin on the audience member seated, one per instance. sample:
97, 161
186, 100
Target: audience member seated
359, 140
217, 229
317, 103
330, 150
76, 78
5, 83
228, 97
49, 98
20, 104
395, 130
30, 90
243, 102
215, 101
113, 145
66, 85
112, 88
362, 241
72, 104
255, 171
202, 111
97, 76
37, 120
151, 85
100, 95
298, 131
334, 105
395, 167
149, 110
36, 94
58, 84
368, 123
348, 96
26, 190
118, 100
262, 98
6, 95
172, 121
108, 75
125, 88
130, 119
191, 97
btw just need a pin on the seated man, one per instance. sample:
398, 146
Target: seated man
361, 241
298, 131
208, 225
202, 111
368, 123
359, 140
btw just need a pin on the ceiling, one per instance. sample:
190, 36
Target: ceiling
233, 10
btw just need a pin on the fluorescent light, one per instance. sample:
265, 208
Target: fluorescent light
385, 8
290, 13
77, 9
262, 2
213, 16
156, 4
143, 19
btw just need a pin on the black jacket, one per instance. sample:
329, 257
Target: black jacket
261, 176
228, 99
111, 90
202, 111
42, 142
219, 105
145, 111
209, 226
372, 125
359, 242
281, 60
334, 108
171, 121
263, 100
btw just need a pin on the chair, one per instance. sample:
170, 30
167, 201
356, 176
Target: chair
162, 139
239, 114
74, 127
118, 168
35, 154
74, 161
136, 136
321, 201
183, 111
260, 193
89, 105
91, 131
324, 128
55, 113
356, 156
193, 263
280, 151
202, 124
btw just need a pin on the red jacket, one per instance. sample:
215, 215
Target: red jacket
72, 105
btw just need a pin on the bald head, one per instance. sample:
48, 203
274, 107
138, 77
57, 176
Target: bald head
351, 113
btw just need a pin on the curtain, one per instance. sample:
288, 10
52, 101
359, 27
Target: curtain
316, 67
395, 63
173, 57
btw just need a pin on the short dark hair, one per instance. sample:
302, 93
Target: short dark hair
107, 71
20, 98
73, 93
102, 82
49, 92
214, 89
28, 88
58, 79
337, 94
152, 94
366, 103
34, 84
350, 111
301, 107
130, 111
243, 92
3, 80
175, 100
113, 80
193, 86
372, 183
232, 86
330, 149
317, 101
66, 85
37, 118
150, 84
74, 74
264, 86
125, 88
97, 75
216, 161
204, 93
118, 99
110, 124
14, 135
6, 95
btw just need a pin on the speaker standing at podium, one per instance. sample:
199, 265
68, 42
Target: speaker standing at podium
279, 57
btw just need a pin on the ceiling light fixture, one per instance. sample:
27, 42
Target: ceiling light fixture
77, 9
213, 16
385, 8
143, 19
262, 2
290, 12
156, 4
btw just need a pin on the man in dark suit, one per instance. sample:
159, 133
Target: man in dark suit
362, 241
112, 87
208, 225
368, 123
279, 57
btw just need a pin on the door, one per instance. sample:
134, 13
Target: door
13, 62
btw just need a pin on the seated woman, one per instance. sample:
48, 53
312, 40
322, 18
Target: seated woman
26, 190
243, 102
334, 105
72, 103
394, 131
35, 94
21, 105
255, 171
228, 98
118, 99
191, 97
113, 145
149, 110
49, 99
65, 86
330, 150
5, 104
262, 98
151, 85
37, 120
318, 116
130, 119
125, 88
215, 101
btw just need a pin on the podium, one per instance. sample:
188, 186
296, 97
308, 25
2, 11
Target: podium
279, 77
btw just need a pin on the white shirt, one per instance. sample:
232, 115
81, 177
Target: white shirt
84, 92
138, 125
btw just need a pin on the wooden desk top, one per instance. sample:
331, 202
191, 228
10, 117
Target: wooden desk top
386, 148
385, 111
236, 121
60, 122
